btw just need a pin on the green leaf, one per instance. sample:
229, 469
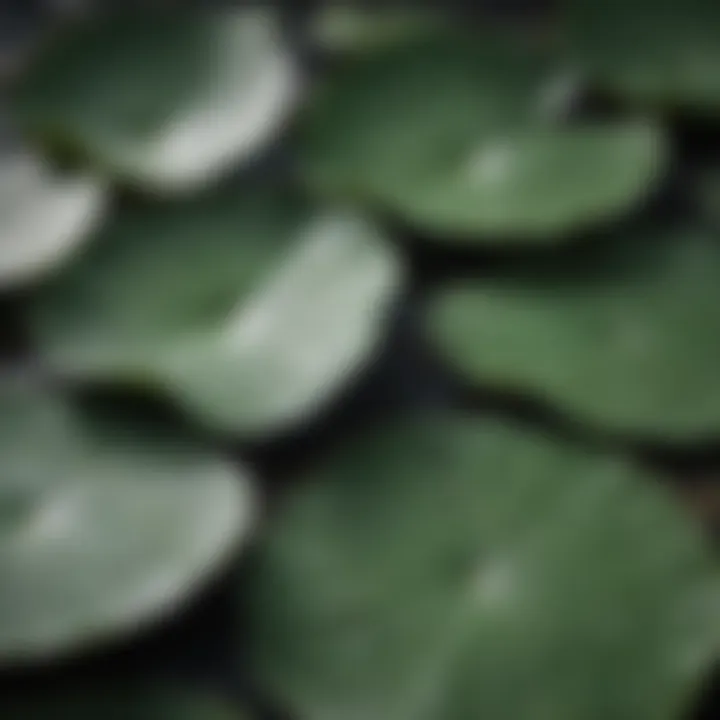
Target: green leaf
650, 52
632, 347
250, 310
129, 704
44, 217
101, 533
452, 569
464, 138
169, 103
540, 184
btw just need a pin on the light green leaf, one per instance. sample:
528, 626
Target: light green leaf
632, 347
169, 103
464, 138
129, 704
650, 52
249, 310
451, 569
100, 532
44, 217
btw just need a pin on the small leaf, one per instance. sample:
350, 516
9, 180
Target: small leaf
632, 347
44, 217
454, 569
101, 533
250, 310
465, 138
129, 704
650, 52
169, 103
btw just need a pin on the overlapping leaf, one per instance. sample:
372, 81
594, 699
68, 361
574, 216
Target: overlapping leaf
464, 137
101, 532
44, 217
633, 346
169, 103
457, 569
664, 53
249, 309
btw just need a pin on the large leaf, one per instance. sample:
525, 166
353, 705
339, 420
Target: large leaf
631, 347
452, 569
101, 532
464, 138
166, 102
129, 704
650, 51
248, 309
44, 217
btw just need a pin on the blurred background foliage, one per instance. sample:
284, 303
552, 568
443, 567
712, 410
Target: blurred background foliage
359, 361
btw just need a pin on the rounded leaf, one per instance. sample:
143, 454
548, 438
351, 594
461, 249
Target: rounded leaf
168, 103
647, 51
464, 138
632, 347
454, 569
539, 184
44, 217
102, 532
250, 310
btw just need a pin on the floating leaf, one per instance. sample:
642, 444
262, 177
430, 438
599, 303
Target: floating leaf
111, 704
647, 51
536, 184
101, 533
248, 309
464, 139
44, 217
452, 569
166, 102
633, 349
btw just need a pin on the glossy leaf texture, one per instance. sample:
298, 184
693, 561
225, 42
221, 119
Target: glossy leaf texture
453, 568
45, 217
467, 137
102, 532
132, 703
630, 345
250, 309
168, 104
648, 52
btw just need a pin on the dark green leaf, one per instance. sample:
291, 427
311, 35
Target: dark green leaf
452, 569
650, 51
463, 138
633, 348
166, 102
